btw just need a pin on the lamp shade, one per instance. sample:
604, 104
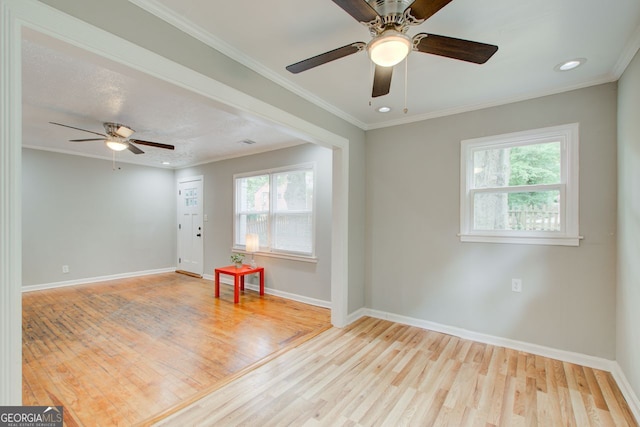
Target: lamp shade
389, 48
252, 242
116, 144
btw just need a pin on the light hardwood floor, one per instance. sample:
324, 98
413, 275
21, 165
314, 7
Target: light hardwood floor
379, 373
116, 353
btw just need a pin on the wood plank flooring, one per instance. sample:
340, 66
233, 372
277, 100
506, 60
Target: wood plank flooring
116, 353
379, 373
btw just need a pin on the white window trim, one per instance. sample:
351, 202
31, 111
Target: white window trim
270, 252
281, 255
568, 235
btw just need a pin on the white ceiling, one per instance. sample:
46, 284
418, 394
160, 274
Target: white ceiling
65, 84
533, 37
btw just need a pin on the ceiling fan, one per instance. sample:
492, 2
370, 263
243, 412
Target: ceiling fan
388, 22
117, 138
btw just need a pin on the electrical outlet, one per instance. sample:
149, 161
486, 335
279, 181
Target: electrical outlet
65, 269
516, 285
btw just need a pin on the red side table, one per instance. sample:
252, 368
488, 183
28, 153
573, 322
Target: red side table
238, 279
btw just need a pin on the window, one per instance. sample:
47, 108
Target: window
277, 205
521, 187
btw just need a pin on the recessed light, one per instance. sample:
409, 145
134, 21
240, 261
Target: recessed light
570, 65
166, 163
384, 109
247, 141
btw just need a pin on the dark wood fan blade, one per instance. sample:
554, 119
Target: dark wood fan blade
323, 58
84, 130
381, 81
359, 9
84, 140
153, 144
450, 47
134, 149
421, 10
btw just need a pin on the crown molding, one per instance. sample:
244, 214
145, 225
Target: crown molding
474, 107
628, 52
199, 33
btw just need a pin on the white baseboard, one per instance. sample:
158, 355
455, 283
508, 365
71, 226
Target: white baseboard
225, 280
361, 312
40, 287
627, 390
566, 356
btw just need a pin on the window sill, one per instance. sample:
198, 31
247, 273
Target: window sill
291, 257
522, 240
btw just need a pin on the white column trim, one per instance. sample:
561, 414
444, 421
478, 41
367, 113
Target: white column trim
10, 209
340, 238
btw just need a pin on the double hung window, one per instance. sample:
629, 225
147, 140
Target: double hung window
277, 205
521, 187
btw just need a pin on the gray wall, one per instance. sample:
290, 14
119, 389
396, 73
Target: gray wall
417, 267
311, 280
628, 309
79, 212
128, 21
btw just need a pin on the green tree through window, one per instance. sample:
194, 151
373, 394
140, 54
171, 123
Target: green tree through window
532, 165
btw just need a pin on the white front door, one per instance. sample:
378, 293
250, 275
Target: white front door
190, 228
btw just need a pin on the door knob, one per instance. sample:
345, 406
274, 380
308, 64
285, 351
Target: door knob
198, 235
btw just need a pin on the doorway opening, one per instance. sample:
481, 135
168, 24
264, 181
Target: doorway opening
42, 18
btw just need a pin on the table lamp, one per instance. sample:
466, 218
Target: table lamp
252, 245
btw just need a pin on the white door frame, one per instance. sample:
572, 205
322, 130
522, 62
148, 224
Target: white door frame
16, 14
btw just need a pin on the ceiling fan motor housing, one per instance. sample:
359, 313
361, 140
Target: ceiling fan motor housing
392, 14
117, 130
384, 7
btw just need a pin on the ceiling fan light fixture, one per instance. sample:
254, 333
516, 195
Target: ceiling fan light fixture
389, 48
116, 144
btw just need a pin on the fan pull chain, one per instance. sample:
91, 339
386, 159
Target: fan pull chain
114, 162
372, 68
406, 74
